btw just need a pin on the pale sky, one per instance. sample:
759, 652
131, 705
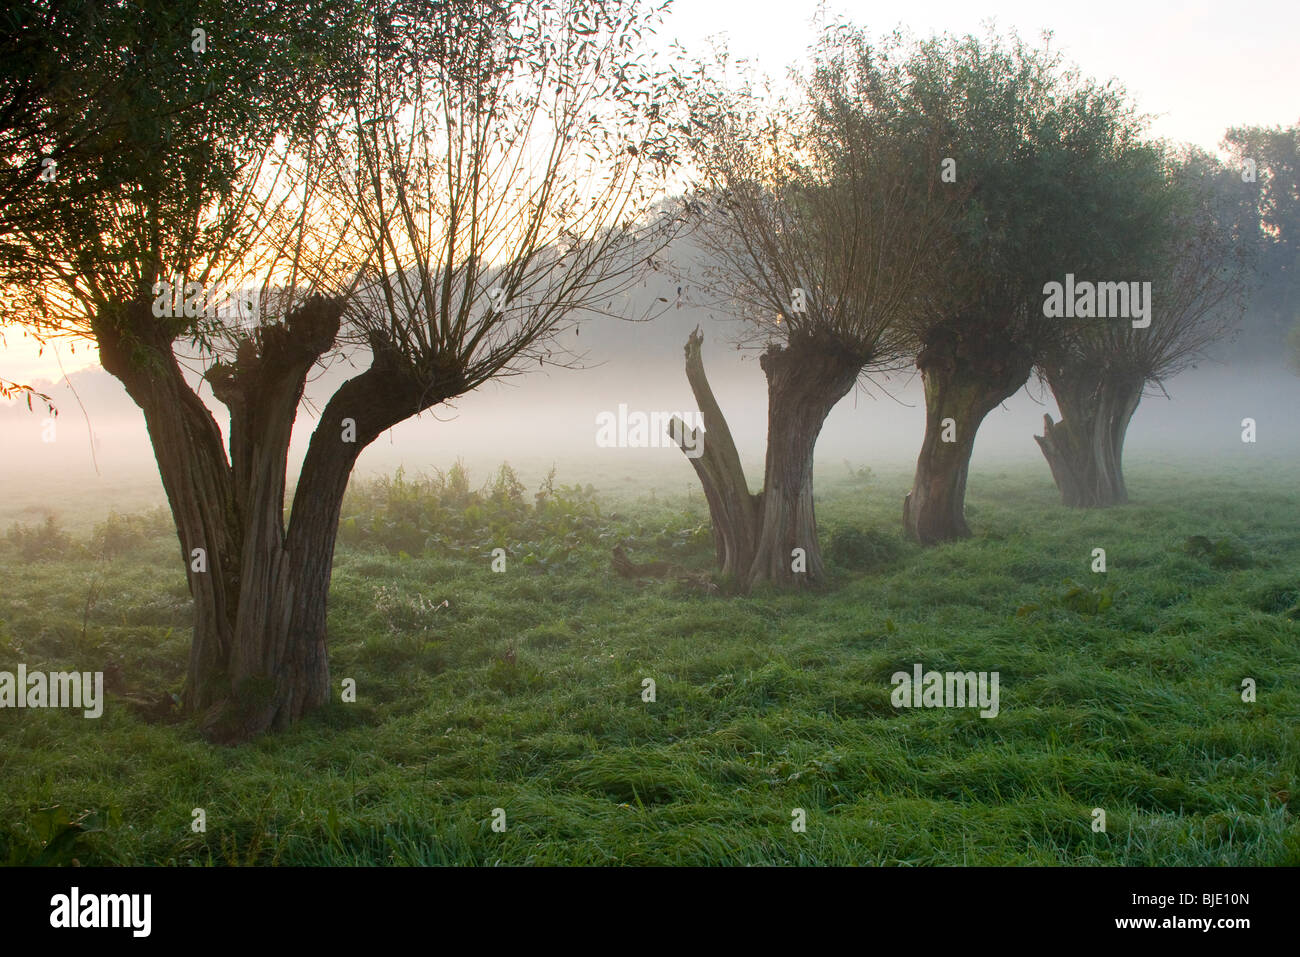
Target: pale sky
1199, 67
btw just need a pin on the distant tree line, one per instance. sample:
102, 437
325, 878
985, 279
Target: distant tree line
912, 204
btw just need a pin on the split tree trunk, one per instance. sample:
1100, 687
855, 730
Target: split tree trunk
274, 673
279, 665
258, 660
755, 535
192, 465
965, 376
733, 509
1085, 449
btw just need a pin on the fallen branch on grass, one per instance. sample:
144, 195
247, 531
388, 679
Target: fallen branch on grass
627, 568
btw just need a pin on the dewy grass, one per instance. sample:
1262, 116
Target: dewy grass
522, 690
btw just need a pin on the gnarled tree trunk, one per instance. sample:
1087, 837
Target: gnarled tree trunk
279, 666
805, 378
272, 675
733, 509
1085, 449
196, 477
755, 535
258, 659
966, 373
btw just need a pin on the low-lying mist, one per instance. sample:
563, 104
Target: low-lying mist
547, 416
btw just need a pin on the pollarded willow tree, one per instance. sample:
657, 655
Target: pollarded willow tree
202, 104
436, 191
824, 248
1040, 150
1184, 238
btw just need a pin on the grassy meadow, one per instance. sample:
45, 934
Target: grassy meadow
1120, 691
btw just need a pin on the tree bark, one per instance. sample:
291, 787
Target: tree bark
258, 660
196, 477
966, 373
805, 378
1085, 449
279, 669
269, 682
755, 535
734, 510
